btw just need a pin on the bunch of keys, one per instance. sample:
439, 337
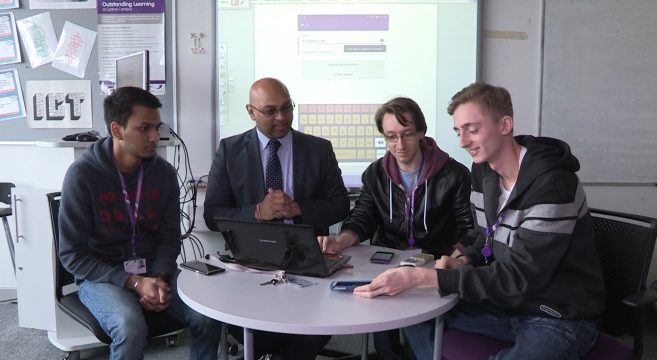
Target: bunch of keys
278, 279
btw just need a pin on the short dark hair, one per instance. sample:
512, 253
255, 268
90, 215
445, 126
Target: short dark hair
118, 106
492, 100
399, 106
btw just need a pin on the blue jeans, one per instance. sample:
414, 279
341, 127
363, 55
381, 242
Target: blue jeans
537, 338
121, 316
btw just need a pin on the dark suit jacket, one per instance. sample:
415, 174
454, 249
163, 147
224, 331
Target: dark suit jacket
236, 182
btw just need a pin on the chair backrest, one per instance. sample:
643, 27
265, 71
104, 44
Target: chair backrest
5, 192
62, 276
625, 243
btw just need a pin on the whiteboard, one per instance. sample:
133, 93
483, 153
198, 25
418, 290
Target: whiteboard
600, 86
17, 129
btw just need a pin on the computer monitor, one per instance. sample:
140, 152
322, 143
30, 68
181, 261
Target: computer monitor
132, 70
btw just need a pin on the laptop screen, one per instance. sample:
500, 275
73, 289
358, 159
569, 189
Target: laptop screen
270, 245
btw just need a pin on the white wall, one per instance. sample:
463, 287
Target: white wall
195, 82
512, 57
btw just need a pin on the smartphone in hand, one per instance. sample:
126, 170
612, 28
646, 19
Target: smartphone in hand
347, 285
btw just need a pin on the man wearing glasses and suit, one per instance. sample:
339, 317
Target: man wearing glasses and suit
416, 196
274, 173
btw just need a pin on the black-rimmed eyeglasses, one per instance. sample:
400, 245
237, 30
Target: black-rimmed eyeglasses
269, 112
393, 139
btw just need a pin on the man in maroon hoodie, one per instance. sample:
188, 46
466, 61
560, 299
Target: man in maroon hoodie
416, 196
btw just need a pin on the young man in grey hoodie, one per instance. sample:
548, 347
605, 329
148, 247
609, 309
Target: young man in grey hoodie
119, 230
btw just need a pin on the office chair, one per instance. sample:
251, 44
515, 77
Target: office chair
159, 324
625, 245
5, 197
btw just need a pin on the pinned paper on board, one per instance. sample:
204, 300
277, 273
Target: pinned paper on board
9, 49
62, 4
38, 37
8, 4
74, 48
11, 96
59, 104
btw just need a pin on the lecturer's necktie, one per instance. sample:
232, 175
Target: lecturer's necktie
274, 176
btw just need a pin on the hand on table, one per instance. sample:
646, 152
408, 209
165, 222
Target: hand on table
394, 281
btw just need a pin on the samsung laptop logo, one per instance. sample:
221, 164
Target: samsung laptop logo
267, 241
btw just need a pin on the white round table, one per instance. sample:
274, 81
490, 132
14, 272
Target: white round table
238, 298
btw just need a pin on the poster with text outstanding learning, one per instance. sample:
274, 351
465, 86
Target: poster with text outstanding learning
8, 4
9, 50
126, 27
74, 48
38, 37
59, 104
62, 4
11, 96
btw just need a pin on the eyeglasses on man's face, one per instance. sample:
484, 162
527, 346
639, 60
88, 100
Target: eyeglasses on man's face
271, 111
405, 137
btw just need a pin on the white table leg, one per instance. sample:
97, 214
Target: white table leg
248, 344
438, 339
365, 347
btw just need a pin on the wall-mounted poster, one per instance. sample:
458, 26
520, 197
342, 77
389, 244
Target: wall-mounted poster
126, 27
8, 4
11, 96
59, 104
62, 4
74, 48
9, 49
38, 37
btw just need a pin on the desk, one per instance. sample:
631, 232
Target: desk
237, 298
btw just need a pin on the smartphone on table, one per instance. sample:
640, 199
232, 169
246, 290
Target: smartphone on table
382, 257
201, 267
347, 285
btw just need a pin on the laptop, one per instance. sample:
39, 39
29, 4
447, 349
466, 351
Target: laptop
278, 246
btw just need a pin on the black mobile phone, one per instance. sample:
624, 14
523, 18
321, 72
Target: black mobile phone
201, 267
347, 285
382, 257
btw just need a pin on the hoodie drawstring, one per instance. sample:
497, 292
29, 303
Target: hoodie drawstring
390, 199
426, 195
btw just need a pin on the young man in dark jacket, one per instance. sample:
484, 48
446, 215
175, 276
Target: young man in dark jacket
416, 196
119, 230
533, 275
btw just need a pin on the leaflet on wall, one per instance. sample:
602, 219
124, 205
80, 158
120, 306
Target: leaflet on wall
74, 48
38, 37
62, 4
11, 96
126, 27
59, 104
8, 4
9, 49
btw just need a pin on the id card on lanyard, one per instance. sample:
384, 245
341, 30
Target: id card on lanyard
135, 264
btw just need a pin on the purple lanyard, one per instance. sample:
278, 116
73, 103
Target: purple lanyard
132, 214
411, 229
487, 250
411, 237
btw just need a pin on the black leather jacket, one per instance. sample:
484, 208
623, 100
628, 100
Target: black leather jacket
442, 217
